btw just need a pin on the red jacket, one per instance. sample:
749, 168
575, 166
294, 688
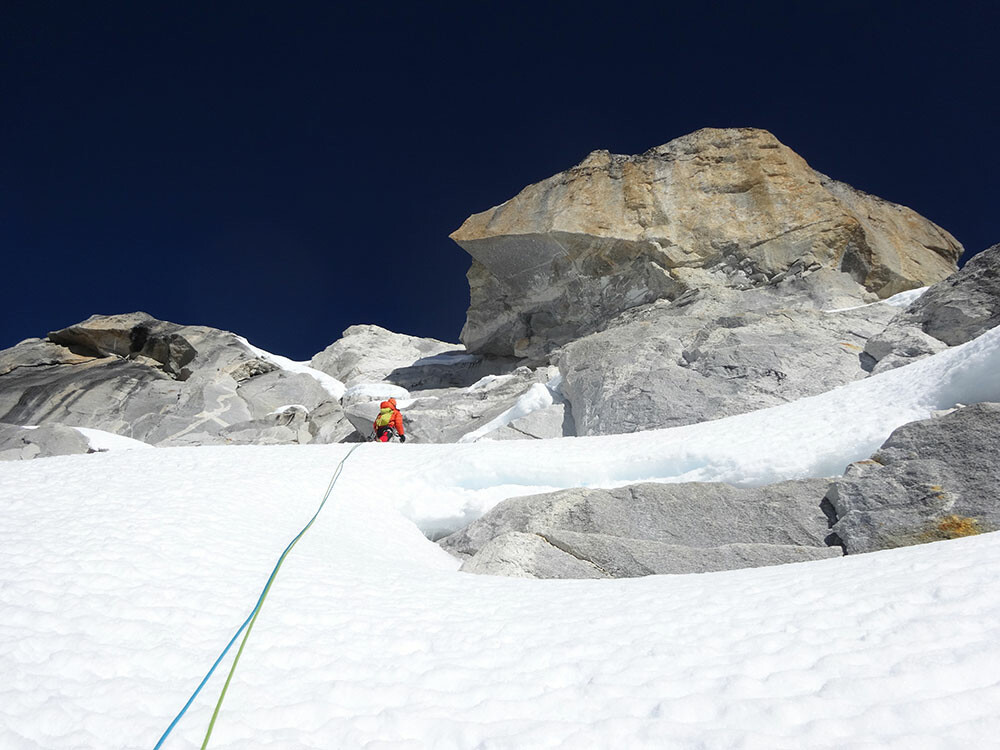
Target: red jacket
396, 420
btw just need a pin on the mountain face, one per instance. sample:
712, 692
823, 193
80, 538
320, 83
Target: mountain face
164, 384
730, 208
710, 277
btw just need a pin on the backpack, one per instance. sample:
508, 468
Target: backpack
384, 417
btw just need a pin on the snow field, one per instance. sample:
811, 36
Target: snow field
123, 574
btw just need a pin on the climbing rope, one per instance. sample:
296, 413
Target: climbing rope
251, 619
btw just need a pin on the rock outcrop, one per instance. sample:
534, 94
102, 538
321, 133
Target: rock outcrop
164, 384
951, 312
649, 528
169, 384
717, 208
447, 415
369, 354
19, 443
931, 480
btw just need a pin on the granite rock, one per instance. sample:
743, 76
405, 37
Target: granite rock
19, 443
159, 382
703, 357
729, 208
368, 354
932, 479
951, 312
651, 528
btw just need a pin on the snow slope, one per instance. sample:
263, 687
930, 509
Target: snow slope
123, 574
101, 440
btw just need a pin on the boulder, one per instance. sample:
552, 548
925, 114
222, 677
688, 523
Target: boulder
18, 443
649, 528
553, 421
963, 306
932, 479
899, 345
730, 208
273, 390
951, 312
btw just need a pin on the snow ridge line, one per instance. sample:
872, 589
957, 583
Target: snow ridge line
251, 619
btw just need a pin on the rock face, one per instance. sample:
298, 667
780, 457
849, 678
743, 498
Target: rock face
732, 208
169, 384
369, 354
447, 415
933, 479
162, 383
648, 528
18, 443
951, 312
670, 364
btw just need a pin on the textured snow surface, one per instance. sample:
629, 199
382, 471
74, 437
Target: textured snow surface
123, 574
101, 440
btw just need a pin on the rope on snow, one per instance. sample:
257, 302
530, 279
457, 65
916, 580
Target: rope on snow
251, 619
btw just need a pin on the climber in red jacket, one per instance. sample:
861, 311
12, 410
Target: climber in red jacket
389, 422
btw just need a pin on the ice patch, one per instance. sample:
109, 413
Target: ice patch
901, 300
539, 396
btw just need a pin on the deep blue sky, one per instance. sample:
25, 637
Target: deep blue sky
284, 170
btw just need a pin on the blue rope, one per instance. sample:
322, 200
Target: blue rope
260, 600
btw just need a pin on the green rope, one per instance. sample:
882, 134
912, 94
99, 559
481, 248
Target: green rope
267, 588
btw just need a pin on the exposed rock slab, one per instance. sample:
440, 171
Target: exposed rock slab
733, 208
650, 528
19, 443
159, 382
951, 312
519, 555
368, 354
697, 359
933, 479
551, 422
38, 353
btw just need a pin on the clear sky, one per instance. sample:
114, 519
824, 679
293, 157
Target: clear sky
287, 169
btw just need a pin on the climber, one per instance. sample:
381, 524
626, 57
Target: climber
388, 423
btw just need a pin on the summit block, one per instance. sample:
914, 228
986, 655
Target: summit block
718, 207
